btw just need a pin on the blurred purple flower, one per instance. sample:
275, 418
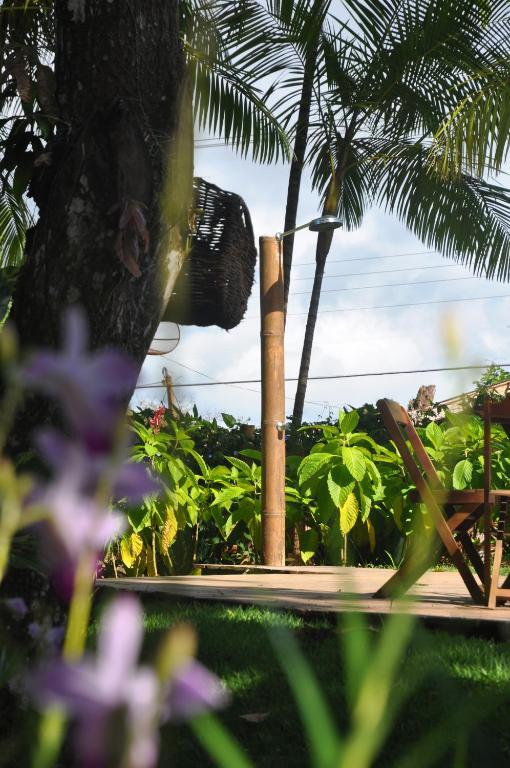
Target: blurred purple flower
89, 385
97, 690
17, 606
78, 521
193, 690
126, 480
49, 638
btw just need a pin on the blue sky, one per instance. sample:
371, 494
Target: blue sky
354, 341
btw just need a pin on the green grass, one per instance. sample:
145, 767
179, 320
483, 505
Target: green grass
455, 689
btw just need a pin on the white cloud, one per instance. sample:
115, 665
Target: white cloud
345, 342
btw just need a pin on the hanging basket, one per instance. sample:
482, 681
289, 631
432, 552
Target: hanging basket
215, 282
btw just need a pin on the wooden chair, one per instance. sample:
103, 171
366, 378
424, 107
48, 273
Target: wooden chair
453, 513
499, 412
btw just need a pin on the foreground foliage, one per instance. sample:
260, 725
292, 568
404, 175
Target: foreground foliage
452, 691
347, 497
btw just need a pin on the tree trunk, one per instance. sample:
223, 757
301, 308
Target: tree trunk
114, 201
324, 240
296, 169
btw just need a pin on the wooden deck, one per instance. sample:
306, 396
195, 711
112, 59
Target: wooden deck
439, 595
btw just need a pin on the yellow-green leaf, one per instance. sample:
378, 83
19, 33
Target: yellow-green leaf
354, 460
130, 549
348, 514
169, 530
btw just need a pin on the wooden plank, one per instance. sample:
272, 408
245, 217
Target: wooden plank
440, 595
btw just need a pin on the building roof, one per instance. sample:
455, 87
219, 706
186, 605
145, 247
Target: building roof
459, 402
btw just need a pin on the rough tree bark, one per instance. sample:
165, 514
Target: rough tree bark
296, 169
114, 200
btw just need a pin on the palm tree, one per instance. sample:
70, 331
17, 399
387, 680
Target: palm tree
390, 83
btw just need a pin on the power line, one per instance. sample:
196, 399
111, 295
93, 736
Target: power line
365, 258
393, 306
215, 381
333, 376
382, 271
386, 285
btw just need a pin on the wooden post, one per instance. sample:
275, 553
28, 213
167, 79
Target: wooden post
273, 401
487, 482
169, 393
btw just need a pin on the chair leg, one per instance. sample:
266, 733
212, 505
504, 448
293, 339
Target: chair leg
473, 554
417, 560
498, 558
467, 577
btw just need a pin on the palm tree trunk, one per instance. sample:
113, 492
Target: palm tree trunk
323, 246
296, 169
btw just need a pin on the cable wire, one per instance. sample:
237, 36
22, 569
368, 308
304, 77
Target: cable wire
386, 285
334, 376
381, 271
365, 258
322, 403
393, 306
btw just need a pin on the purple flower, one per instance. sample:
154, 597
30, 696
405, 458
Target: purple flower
79, 522
98, 691
89, 386
193, 690
49, 638
17, 607
128, 481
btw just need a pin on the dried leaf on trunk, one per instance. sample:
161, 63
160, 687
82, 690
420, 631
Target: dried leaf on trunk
132, 230
46, 90
18, 67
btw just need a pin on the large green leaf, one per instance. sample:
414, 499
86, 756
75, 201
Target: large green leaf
435, 434
355, 462
313, 465
226, 496
244, 468
348, 421
462, 474
340, 484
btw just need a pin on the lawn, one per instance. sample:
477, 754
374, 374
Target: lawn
452, 692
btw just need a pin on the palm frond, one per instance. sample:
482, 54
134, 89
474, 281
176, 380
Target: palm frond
476, 134
467, 219
356, 184
235, 110
15, 218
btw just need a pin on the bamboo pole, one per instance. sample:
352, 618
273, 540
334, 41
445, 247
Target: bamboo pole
273, 401
487, 482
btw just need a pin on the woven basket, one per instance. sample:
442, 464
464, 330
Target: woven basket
215, 283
